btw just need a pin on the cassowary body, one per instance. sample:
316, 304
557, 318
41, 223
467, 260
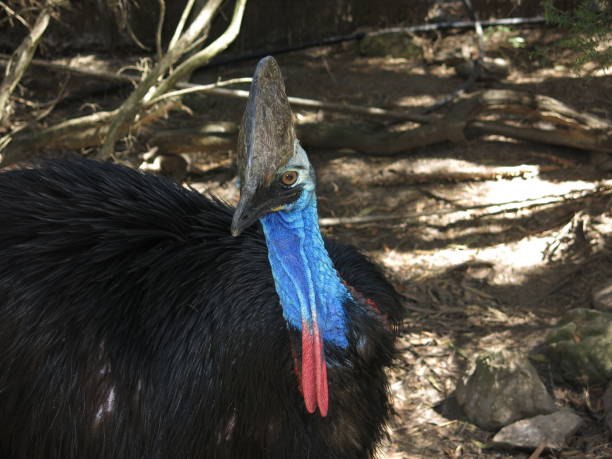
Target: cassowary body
134, 325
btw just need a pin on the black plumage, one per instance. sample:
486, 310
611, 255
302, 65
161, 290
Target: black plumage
133, 325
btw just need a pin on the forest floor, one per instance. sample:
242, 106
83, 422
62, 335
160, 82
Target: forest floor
474, 281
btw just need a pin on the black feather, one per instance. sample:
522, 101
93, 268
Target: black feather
133, 325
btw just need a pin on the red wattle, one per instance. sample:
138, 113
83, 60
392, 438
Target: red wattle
320, 373
308, 370
314, 371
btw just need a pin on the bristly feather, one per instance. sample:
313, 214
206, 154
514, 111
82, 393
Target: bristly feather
134, 325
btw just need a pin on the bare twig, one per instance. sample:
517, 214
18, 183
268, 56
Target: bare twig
20, 60
198, 42
181, 24
121, 11
160, 26
50, 106
538, 451
14, 14
494, 208
194, 88
135, 39
204, 56
131, 106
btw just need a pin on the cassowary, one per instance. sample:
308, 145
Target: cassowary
141, 319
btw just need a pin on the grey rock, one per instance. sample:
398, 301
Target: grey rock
503, 387
602, 297
493, 69
579, 347
549, 429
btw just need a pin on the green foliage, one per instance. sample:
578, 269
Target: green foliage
589, 29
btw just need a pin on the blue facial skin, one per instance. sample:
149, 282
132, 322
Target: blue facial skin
306, 281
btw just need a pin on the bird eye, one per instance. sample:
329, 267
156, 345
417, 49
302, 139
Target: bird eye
289, 177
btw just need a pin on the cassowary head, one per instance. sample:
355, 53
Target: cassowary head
274, 169
277, 187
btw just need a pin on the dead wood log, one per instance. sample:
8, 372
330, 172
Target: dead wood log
313, 135
209, 138
563, 126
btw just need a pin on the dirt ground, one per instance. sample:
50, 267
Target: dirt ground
474, 280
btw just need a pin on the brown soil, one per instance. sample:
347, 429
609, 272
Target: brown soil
473, 282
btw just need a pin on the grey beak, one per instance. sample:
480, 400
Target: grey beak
265, 141
243, 218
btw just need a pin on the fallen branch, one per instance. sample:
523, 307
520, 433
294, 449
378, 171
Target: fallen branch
77, 71
86, 131
472, 211
375, 112
571, 128
211, 137
495, 173
578, 137
507, 100
563, 125
89, 130
313, 135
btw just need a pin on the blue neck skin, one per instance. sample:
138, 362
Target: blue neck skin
306, 281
